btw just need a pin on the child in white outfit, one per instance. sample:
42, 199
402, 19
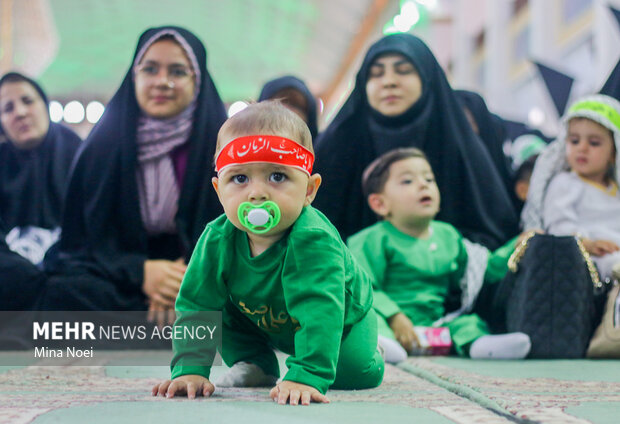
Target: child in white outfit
574, 187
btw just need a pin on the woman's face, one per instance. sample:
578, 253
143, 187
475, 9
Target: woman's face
164, 80
393, 84
23, 114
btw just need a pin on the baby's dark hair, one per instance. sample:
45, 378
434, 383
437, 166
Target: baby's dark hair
377, 173
524, 172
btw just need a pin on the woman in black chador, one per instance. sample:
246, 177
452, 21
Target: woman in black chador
490, 128
140, 194
295, 95
402, 99
35, 161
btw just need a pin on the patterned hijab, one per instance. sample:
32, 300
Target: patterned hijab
599, 108
102, 228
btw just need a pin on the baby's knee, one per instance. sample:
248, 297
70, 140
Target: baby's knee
356, 375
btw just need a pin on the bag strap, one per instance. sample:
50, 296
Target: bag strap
591, 268
516, 256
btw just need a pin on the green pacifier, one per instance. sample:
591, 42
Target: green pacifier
259, 218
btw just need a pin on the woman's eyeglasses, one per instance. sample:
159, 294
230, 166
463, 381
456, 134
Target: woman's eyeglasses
176, 73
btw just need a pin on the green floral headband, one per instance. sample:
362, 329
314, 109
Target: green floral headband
600, 108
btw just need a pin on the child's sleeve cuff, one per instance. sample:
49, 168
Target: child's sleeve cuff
179, 370
384, 306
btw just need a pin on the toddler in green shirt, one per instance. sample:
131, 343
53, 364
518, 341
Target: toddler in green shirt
278, 271
417, 263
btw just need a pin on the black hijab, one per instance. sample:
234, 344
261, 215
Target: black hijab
491, 132
474, 199
33, 182
102, 230
272, 87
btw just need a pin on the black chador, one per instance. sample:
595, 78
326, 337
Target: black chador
32, 186
104, 243
473, 196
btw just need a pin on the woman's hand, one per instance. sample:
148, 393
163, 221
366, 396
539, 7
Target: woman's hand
162, 280
160, 314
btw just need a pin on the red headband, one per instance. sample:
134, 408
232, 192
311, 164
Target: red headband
265, 148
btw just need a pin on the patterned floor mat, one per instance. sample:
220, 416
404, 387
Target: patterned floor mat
566, 391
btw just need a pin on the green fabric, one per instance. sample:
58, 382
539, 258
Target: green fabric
242, 343
416, 276
464, 330
299, 296
497, 265
600, 108
360, 367
410, 275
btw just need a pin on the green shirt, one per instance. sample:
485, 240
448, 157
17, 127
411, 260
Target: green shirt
303, 292
415, 276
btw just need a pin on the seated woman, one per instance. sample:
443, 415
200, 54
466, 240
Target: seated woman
296, 96
490, 128
402, 99
140, 194
35, 161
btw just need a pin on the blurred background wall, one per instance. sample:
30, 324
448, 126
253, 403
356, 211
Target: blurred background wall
80, 49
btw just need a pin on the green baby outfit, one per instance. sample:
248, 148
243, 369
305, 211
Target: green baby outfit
305, 296
416, 276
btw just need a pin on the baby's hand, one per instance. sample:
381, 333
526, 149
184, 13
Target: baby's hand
295, 391
186, 384
600, 247
403, 330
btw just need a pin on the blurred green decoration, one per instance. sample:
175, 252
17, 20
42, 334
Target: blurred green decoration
412, 15
247, 42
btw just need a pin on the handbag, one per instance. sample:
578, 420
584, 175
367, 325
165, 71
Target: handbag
606, 340
549, 294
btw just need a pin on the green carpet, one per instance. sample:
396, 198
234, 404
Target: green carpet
598, 412
578, 391
239, 412
591, 370
422, 390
